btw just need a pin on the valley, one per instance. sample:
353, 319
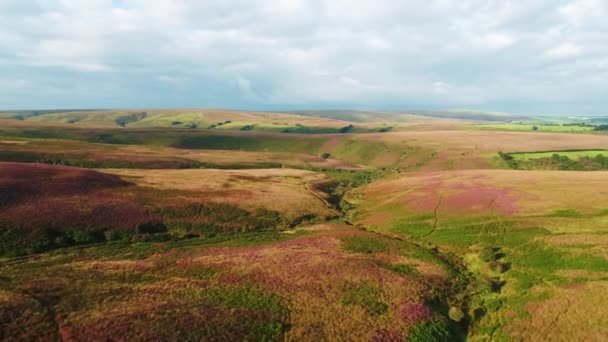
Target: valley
305, 226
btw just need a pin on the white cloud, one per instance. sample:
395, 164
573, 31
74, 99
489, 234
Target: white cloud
582, 11
564, 50
317, 53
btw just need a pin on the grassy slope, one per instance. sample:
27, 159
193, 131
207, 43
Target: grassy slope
529, 127
98, 155
363, 149
259, 287
523, 263
506, 226
177, 118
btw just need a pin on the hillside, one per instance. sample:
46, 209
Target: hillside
437, 230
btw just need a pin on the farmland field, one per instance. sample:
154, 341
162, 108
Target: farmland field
530, 127
221, 225
569, 154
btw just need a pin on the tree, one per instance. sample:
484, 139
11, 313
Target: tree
535, 128
346, 129
601, 128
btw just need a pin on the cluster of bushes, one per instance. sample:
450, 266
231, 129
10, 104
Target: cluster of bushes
601, 128
110, 138
508, 159
59, 226
127, 119
20, 238
102, 162
558, 162
346, 129
578, 124
218, 124
248, 127
211, 219
341, 182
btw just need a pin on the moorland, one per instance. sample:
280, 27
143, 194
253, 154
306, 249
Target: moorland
309, 225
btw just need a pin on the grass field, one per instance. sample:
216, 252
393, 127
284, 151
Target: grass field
569, 154
530, 127
179, 225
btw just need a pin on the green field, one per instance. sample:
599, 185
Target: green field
529, 127
549, 154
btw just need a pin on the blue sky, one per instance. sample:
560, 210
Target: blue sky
528, 57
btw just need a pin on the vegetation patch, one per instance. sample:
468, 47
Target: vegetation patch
367, 297
435, 330
581, 160
364, 244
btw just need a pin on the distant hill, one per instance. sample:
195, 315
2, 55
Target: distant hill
465, 114
176, 118
230, 119
27, 114
409, 116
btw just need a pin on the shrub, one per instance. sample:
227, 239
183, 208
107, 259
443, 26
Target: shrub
150, 228
325, 155
601, 128
455, 314
430, 331
115, 235
83, 237
346, 129
127, 119
402, 269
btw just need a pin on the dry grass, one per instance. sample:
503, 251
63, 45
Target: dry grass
574, 313
499, 141
287, 191
162, 157
484, 192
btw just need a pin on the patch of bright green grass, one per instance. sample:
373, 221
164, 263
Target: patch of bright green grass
549, 154
363, 244
360, 151
366, 296
165, 120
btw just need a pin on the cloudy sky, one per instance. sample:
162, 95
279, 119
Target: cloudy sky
521, 56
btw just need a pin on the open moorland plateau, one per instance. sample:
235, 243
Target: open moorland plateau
222, 225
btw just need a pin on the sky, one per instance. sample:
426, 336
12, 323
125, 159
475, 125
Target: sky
523, 57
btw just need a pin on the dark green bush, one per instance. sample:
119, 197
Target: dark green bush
430, 331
